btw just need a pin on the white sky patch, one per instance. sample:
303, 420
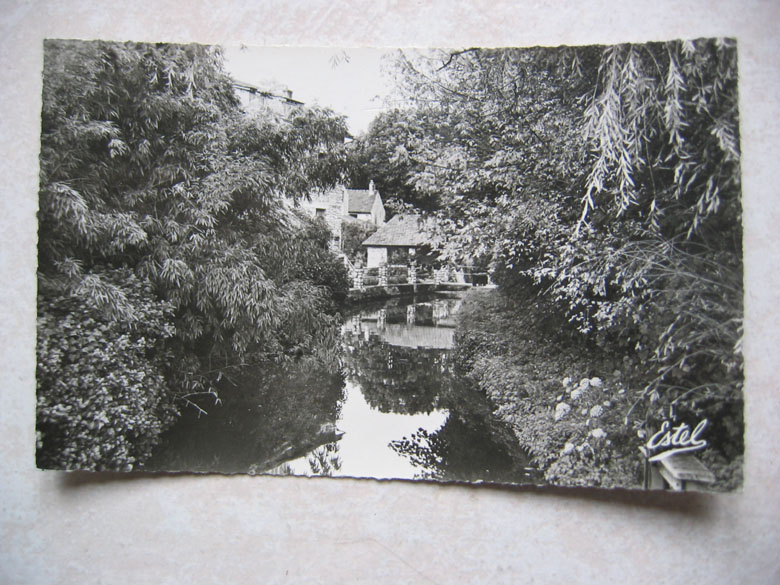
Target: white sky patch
349, 81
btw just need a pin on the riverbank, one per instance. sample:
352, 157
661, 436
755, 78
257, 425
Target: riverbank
394, 408
566, 399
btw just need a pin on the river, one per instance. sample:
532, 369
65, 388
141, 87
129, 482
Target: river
397, 409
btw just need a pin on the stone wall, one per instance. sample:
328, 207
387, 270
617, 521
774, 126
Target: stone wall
332, 201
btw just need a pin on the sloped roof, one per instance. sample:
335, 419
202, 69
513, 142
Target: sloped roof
360, 200
402, 230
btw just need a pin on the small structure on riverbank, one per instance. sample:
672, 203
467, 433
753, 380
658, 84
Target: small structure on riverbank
396, 242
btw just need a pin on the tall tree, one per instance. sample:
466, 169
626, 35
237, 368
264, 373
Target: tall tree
504, 122
388, 155
609, 178
163, 227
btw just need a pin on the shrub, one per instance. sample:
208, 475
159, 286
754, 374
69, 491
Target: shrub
102, 395
353, 234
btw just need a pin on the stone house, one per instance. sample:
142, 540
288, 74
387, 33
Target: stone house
274, 98
340, 204
397, 242
365, 205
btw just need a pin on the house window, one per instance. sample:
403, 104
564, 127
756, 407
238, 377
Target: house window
320, 212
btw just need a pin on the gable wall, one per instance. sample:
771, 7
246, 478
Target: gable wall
378, 211
334, 204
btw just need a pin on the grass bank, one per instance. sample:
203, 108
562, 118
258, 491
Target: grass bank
565, 398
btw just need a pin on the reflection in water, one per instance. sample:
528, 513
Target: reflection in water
268, 416
364, 449
399, 358
325, 460
464, 450
398, 410
322, 461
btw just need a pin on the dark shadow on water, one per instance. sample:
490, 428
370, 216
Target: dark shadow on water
265, 416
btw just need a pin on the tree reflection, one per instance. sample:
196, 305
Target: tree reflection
464, 449
398, 379
386, 356
268, 415
325, 460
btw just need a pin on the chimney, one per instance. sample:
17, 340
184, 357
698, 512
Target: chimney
371, 186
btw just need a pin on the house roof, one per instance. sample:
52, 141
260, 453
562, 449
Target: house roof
402, 230
360, 200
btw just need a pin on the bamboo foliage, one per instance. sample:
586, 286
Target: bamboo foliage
152, 177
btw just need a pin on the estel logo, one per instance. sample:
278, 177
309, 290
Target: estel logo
679, 439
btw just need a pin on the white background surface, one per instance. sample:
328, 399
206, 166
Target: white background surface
59, 528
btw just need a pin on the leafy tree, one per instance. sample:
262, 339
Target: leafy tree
355, 233
658, 253
607, 178
505, 123
387, 154
150, 173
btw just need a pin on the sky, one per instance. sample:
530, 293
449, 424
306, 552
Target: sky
349, 81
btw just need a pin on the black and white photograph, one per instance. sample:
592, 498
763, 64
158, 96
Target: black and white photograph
482, 265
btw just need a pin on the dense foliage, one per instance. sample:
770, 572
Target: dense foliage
153, 180
103, 397
353, 234
386, 155
565, 401
607, 179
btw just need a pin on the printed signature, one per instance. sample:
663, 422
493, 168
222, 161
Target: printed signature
679, 439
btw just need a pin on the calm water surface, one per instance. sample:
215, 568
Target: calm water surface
397, 409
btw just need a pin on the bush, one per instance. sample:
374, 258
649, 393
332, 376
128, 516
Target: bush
311, 259
353, 234
102, 396
518, 351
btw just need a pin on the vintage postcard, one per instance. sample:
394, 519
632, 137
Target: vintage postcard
513, 265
